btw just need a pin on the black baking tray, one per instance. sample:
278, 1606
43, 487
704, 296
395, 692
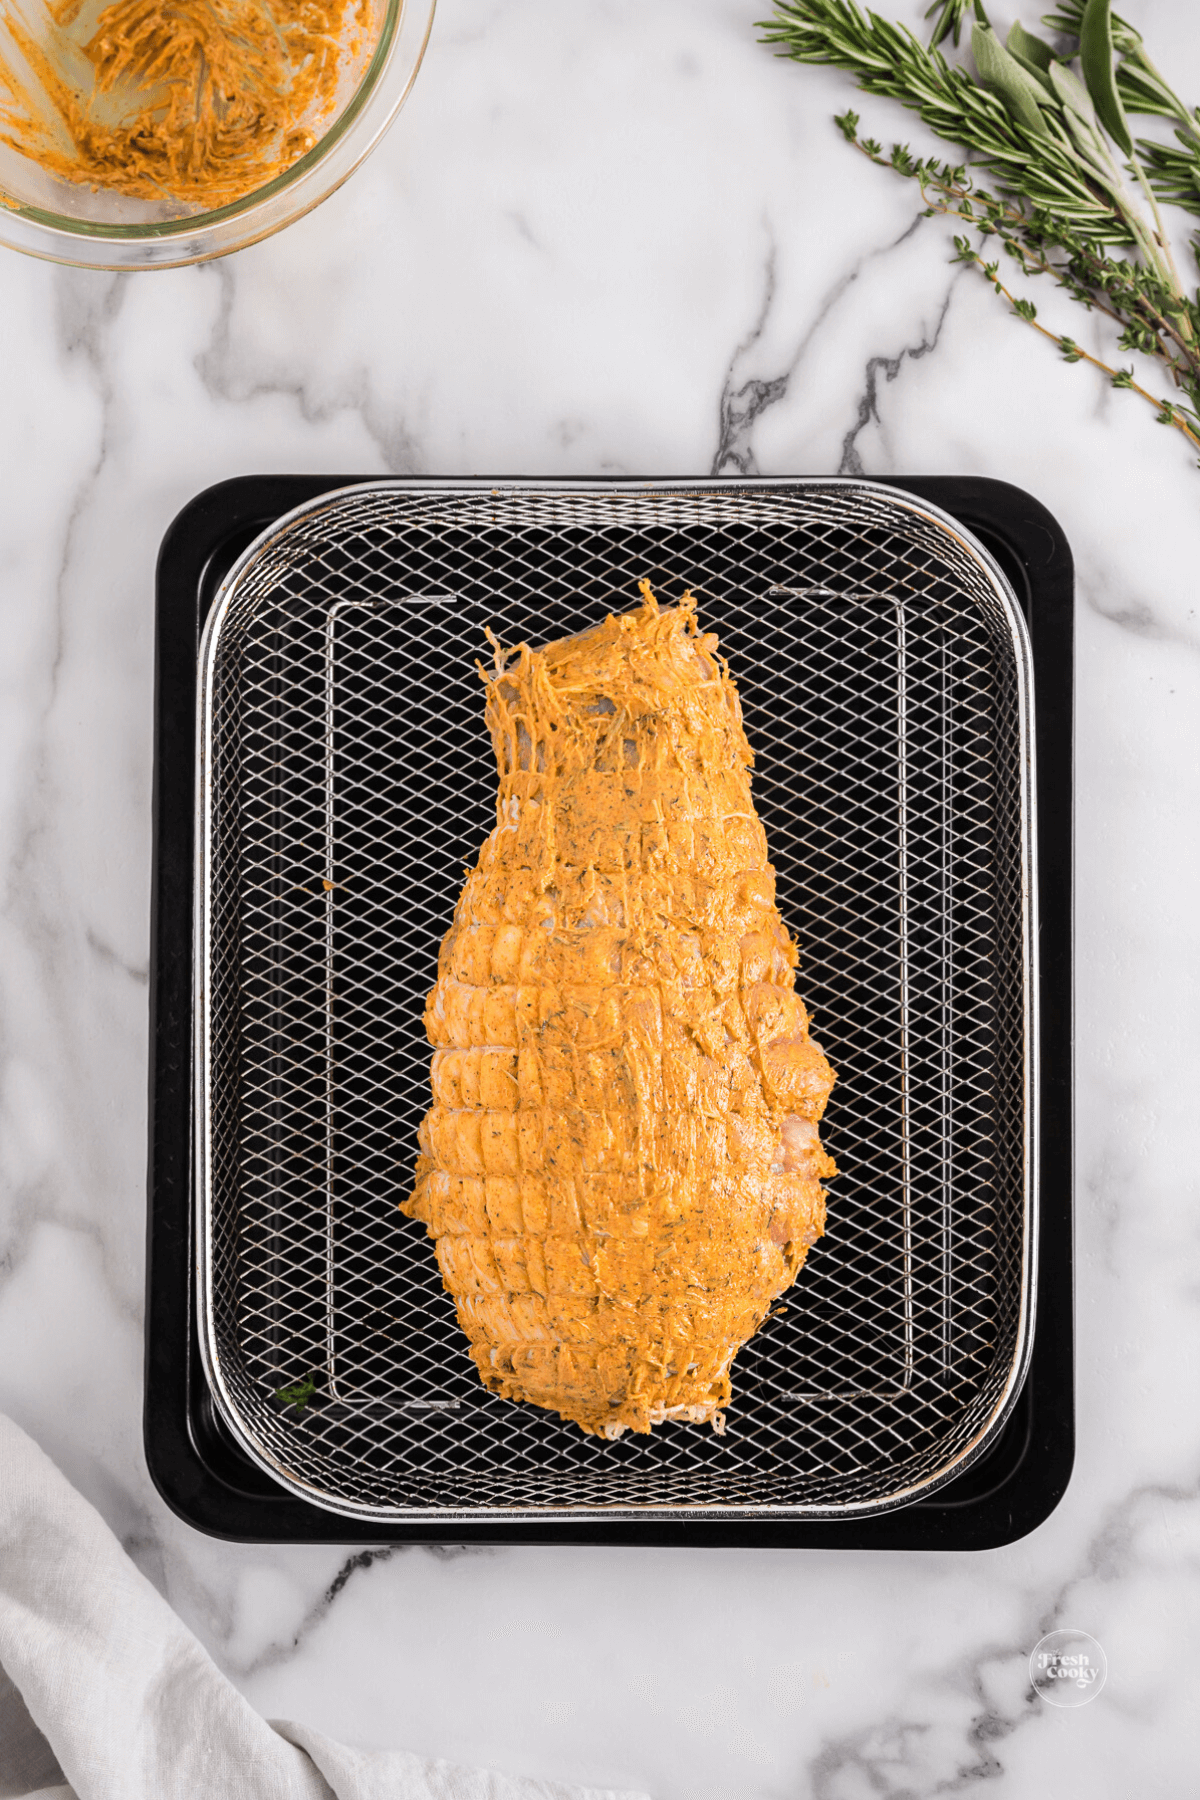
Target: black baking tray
194, 1460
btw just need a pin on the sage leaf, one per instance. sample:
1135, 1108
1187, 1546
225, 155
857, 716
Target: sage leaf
1056, 201
1005, 76
1072, 93
1031, 52
1069, 20
1096, 61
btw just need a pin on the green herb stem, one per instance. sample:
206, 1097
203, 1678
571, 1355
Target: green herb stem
1057, 145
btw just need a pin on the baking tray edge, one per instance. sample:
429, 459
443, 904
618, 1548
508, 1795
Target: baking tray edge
193, 1459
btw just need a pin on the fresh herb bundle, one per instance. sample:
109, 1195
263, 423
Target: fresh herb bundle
1070, 193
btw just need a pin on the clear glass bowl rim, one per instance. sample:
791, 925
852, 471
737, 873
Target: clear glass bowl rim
170, 243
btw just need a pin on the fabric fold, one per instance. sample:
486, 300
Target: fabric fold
107, 1689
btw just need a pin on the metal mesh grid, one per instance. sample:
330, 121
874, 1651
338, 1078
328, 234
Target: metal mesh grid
347, 780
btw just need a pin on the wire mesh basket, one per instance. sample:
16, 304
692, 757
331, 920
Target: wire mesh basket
346, 780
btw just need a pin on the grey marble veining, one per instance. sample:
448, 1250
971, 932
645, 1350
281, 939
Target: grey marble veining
614, 237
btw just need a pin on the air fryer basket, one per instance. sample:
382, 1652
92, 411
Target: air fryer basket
345, 779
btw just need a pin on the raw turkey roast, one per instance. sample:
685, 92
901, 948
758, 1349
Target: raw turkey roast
621, 1167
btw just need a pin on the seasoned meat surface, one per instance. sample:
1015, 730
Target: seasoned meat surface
621, 1167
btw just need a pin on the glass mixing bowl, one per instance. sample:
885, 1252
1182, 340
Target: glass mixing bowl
68, 222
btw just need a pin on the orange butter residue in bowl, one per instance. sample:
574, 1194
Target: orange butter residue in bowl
196, 102
146, 134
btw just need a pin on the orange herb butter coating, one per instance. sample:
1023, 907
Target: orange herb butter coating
621, 1167
194, 101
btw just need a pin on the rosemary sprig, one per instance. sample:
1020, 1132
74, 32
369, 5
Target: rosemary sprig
1070, 194
951, 14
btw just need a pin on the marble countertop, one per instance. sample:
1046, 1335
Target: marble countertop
613, 237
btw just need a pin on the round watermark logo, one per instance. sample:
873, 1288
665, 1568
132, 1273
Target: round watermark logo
1068, 1668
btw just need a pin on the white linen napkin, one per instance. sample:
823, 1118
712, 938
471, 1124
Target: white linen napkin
105, 1694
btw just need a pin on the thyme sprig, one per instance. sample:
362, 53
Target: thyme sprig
298, 1393
1069, 193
